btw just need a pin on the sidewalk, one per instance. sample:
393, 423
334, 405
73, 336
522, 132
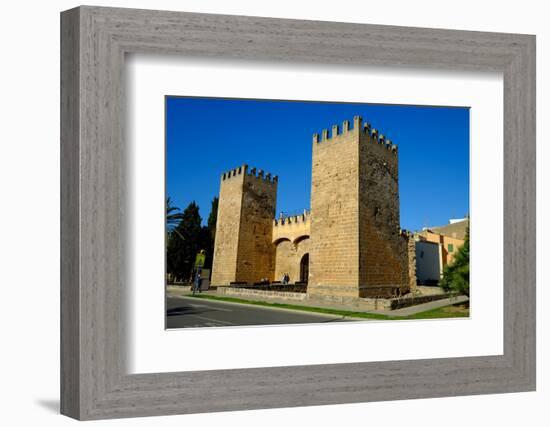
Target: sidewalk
413, 309
186, 290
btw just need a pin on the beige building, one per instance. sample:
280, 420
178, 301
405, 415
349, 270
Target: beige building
436, 247
348, 245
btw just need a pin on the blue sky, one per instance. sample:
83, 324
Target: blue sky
207, 136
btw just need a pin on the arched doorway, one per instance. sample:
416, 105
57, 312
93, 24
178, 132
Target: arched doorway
304, 268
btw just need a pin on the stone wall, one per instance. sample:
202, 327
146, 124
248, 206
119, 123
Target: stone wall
329, 301
226, 243
334, 260
384, 268
256, 250
273, 286
356, 246
256, 294
288, 257
411, 253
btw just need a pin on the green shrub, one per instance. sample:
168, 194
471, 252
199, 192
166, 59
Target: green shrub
456, 276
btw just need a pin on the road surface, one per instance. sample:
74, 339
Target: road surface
188, 312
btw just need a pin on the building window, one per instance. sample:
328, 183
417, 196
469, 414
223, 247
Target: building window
450, 247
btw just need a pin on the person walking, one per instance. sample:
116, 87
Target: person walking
197, 284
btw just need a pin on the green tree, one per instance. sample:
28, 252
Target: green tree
212, 218
456, 276
209, 233
186, 237
183, 243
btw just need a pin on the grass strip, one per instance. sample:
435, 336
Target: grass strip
436, 313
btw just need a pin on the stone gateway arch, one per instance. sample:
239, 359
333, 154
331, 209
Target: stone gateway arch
349, 245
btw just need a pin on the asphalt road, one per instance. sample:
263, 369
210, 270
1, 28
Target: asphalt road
187, 312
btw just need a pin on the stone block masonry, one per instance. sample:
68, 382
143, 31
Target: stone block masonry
243, 250
357, 249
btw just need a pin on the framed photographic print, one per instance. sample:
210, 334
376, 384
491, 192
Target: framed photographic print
363, 264
262, 213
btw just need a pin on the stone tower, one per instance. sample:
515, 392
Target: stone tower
243, 250
357, 249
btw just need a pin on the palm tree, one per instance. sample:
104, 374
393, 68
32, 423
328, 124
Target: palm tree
173, 217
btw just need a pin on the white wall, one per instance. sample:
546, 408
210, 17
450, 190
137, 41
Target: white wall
29, 177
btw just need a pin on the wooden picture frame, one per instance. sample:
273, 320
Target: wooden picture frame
94, 382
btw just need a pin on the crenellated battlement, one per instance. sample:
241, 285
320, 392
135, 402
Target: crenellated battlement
380, 139
234, 172
336, 131
292, 219
252, 172
294, 228
261, 174
358, 126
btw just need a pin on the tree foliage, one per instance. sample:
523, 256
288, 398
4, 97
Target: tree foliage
212, 218
173, 216
211, 233
456, 276
185, 238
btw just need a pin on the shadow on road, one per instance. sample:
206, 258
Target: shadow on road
336, 319
178, 311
